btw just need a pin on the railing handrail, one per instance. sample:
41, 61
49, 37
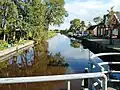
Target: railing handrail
103, 54
55, 78
100, 65
51, 78
108, 63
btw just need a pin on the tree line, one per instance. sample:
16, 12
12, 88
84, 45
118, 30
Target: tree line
29, 18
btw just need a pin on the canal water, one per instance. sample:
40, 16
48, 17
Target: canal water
77, 57
34, 62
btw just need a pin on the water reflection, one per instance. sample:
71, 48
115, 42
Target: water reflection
22, 60
57, 60
77, 58
32, 62
75, 44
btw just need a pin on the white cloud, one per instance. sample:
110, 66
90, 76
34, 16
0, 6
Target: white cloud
87, 10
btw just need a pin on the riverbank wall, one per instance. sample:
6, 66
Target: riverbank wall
16, 49
98, 47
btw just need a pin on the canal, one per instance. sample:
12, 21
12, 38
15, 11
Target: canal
37, 62
76, 57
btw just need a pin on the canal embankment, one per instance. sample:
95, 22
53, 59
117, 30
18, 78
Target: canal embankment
100, 45
103, 46
6, 53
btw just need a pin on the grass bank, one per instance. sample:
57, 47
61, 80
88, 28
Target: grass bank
4, 44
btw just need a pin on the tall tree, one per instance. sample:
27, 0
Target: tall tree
111, 13
37, 19
33, 16
75, 25
9, 17
39, 14
55, 12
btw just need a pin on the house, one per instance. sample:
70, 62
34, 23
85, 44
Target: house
108, 27
92, 30
102, 30
116, 24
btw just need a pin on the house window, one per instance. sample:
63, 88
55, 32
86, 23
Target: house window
115, 32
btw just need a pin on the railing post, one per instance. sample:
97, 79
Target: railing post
86, 80
90, 80
68, 85
104, 82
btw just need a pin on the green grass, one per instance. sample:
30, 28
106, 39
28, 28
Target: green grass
22, 41
3, 45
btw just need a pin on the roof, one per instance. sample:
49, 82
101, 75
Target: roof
117, 17
92, 27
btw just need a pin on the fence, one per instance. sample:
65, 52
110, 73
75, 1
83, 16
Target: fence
70, 77
101, 68
55, 78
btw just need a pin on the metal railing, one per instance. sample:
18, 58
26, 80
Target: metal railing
55, 78
100, 65
103, 80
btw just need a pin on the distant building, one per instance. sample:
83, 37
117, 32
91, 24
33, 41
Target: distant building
116, 30
106, 27
92, 30
115, 23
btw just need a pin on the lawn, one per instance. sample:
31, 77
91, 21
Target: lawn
5, 45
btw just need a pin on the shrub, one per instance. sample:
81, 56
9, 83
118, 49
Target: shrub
3, 44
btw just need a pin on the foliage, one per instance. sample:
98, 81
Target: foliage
110, 20
31, 17
8, 16
51, 34
75, 25
64, 31
54, 12
3, 45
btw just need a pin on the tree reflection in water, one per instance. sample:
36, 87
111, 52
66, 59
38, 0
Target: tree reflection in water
32, 65
75, 44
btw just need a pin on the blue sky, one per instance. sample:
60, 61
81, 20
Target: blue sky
86, 10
